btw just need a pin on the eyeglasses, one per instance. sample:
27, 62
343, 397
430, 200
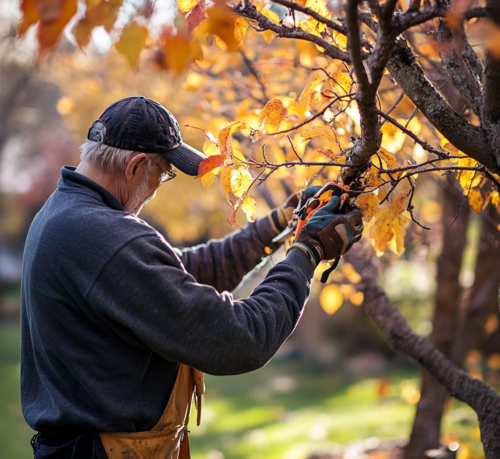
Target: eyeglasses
167, 174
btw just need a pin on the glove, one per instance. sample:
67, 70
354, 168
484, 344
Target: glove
280, 216
329, 234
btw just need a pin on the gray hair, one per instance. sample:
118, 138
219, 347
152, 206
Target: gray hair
111, 159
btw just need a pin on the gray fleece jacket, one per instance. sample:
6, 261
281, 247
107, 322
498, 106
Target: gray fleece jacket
110, 309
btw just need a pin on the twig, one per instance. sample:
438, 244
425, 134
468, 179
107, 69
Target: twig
250, 67
303, 9
313, 117
463, 202
423, 144
410, 206
294, 150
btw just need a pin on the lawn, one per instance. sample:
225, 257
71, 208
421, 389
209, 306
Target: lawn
285, 410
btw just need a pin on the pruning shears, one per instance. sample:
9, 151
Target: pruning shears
303, 212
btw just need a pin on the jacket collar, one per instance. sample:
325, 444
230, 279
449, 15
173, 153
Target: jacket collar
73, 181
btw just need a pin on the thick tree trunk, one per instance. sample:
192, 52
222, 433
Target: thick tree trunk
426, 427
483, 299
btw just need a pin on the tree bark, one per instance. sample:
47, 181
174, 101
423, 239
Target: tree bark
427, 424
481, 397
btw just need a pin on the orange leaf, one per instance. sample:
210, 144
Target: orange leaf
225, 180
52, 16
132, 40
31, 16
98, 13
231, 217
210, 163
222, 24
225, 132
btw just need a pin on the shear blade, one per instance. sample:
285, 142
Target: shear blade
286, 233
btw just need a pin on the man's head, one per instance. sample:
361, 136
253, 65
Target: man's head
132, 147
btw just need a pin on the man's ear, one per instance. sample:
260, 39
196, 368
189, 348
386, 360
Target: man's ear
135, 165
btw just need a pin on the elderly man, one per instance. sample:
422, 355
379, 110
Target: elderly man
117, 325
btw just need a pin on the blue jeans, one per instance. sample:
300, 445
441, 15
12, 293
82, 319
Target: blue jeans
75, 446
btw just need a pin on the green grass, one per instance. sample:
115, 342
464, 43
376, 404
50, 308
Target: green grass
284, 410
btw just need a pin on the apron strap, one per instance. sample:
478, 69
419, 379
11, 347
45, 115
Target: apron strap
199, 390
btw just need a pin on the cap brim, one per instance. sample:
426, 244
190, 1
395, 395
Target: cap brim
185, 158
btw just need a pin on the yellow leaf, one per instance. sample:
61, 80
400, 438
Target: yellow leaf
271, 15
301, 107
476, 200
249, 206
381, 232
368, 203
210, 148
495, 198
132, 40
240, 181
331, 298
272, 115
185, 6
465, 177
343, 80
349, 272
357, 298
388, 157
318, 131
208, 179
372, 179
400, 203
240, 29
399, 234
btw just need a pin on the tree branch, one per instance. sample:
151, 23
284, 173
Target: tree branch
480, 396
470, 139
413, 17
304, 9
249, 11
457, 69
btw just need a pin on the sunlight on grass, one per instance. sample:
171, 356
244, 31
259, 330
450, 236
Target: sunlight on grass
285, 410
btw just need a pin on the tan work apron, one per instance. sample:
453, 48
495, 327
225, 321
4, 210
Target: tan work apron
168, 439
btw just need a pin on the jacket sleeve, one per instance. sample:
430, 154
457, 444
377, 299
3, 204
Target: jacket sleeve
222, 263
146, 296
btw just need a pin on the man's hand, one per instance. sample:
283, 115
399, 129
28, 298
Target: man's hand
329, 234
280, 216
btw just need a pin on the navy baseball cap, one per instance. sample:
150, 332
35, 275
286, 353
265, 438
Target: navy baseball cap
143, 125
